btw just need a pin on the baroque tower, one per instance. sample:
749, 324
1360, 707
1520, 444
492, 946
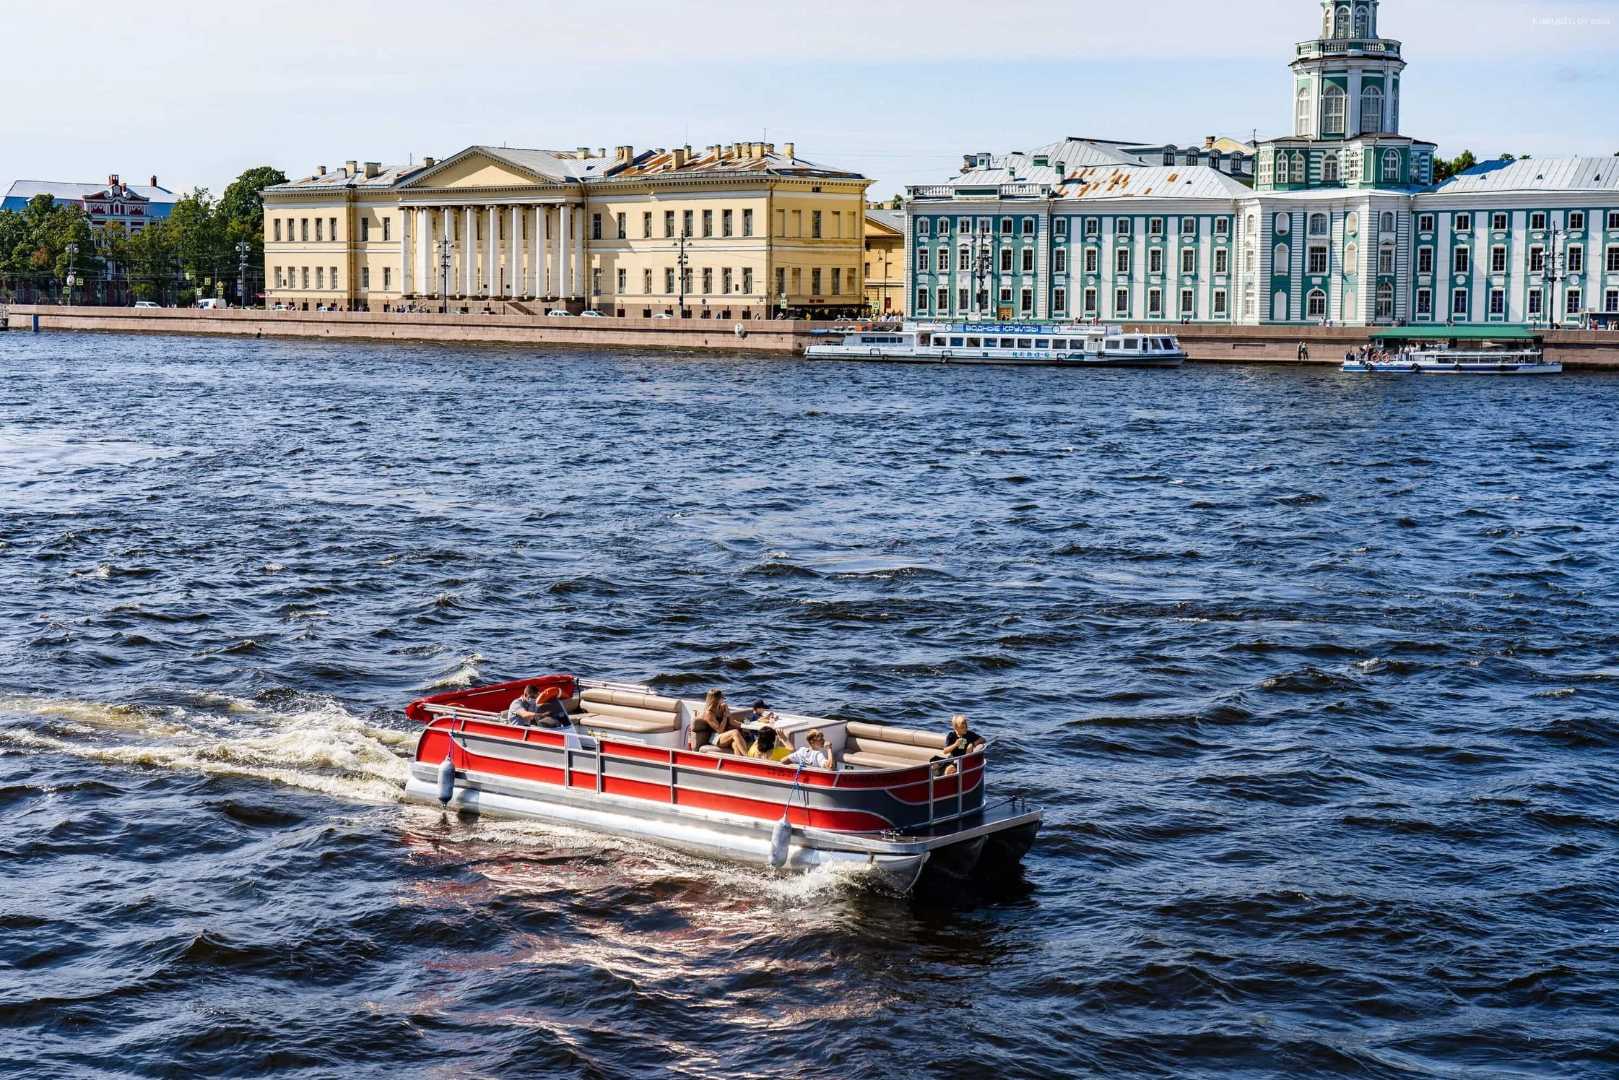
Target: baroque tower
1346, 111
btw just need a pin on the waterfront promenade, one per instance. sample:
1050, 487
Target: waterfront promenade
1592, 350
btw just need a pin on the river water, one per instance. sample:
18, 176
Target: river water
1317, 678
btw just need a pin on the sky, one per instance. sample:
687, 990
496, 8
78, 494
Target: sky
898, 90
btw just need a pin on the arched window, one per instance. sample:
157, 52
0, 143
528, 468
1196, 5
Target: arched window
1326, 23
1278, 259
1371, 110
1278, 307
1299, 174
1304, 114
1169, 155
1385, 302
1318, 225
1282, 176
1386, 224
1361, 22
1333, 101
1315, 305
1391, 166
1329, 169
1351, 257
1340, 25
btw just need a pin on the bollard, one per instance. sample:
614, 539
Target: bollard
36, 322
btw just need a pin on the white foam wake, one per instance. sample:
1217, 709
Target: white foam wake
317, 745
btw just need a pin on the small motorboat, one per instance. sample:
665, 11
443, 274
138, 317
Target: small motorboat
890, 808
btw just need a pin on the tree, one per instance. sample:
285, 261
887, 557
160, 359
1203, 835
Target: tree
153, 262
200, 238
1444, 170
242, 209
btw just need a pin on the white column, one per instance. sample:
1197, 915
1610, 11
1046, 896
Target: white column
424, 252
542, 248
564, 244
491, 251
407, 261
469, 251
514, 250
581, 265
442, 282
536, 255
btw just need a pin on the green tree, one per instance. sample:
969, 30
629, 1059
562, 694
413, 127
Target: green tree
1444, 170
242, 208
153, 262
200, 239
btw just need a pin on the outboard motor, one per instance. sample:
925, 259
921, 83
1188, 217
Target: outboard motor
446, 779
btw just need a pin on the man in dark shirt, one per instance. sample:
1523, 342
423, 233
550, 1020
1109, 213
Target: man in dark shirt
552, 713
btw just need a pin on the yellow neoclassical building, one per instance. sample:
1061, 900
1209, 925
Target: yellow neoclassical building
733, 231
884, 265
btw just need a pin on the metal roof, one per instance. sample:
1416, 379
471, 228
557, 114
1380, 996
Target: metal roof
1154, 181
1536, 174
890, 219
729, 160
27, 189
337, 179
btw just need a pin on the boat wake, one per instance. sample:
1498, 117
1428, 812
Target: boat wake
305, 742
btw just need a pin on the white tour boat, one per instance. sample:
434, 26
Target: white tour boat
1011, 344
1431, 353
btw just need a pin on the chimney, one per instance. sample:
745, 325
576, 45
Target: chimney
715, 150
679, 155
601, 151
1208, 142
757, 150
373, 169
112, 181
624, 155
787, 148
428, 162
154, 179
320, 170
583, 152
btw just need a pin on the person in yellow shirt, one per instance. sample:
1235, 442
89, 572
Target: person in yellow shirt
768, 747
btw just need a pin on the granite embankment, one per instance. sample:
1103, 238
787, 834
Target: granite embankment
1577, 349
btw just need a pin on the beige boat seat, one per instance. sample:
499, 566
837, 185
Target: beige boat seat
627, 711
877, 746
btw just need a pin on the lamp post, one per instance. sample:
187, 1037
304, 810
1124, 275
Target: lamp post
72, 263
680, 274
981, 270
1556, 271
444, 256
243, 248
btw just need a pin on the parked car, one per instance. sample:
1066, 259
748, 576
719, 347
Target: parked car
558, 313
145, 304
663, 315
592, 314
211, 303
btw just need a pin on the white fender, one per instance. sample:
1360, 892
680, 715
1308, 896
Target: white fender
446, 780
779, 836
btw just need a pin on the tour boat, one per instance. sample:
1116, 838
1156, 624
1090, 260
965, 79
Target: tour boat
889, 808
1027, 344
1458, 362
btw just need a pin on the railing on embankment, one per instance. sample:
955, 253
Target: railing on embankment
767, 335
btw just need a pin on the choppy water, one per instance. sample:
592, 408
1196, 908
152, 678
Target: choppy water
1317, 677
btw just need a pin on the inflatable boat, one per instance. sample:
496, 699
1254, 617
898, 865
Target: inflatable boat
892, 807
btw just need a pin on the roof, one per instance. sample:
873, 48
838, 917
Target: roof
888, 219
1154, 181
337, 179
1536, 174
734, 159
1502, 332
27, 189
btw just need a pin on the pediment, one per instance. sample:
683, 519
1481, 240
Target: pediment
476, 168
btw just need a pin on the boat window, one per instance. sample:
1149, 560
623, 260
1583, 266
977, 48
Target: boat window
1059, 343
1025, 343
956, 342
940, 339
1008, 343
972, 343
1129, 343
1042, 343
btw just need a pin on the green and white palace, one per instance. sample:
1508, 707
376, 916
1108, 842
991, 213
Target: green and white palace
1340, 222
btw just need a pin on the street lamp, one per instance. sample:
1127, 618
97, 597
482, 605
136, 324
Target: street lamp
680, 262
242, 250
72, 262
981, 270
444, 254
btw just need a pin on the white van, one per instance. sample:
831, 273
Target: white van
211, 303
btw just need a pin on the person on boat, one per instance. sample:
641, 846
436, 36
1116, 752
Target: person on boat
715, 725
769, 746
552, 712
816, 755
959, 740
526, 709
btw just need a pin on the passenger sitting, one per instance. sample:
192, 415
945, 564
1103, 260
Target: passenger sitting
714, 725
959, 740
526, 709
815, 756
766, 746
